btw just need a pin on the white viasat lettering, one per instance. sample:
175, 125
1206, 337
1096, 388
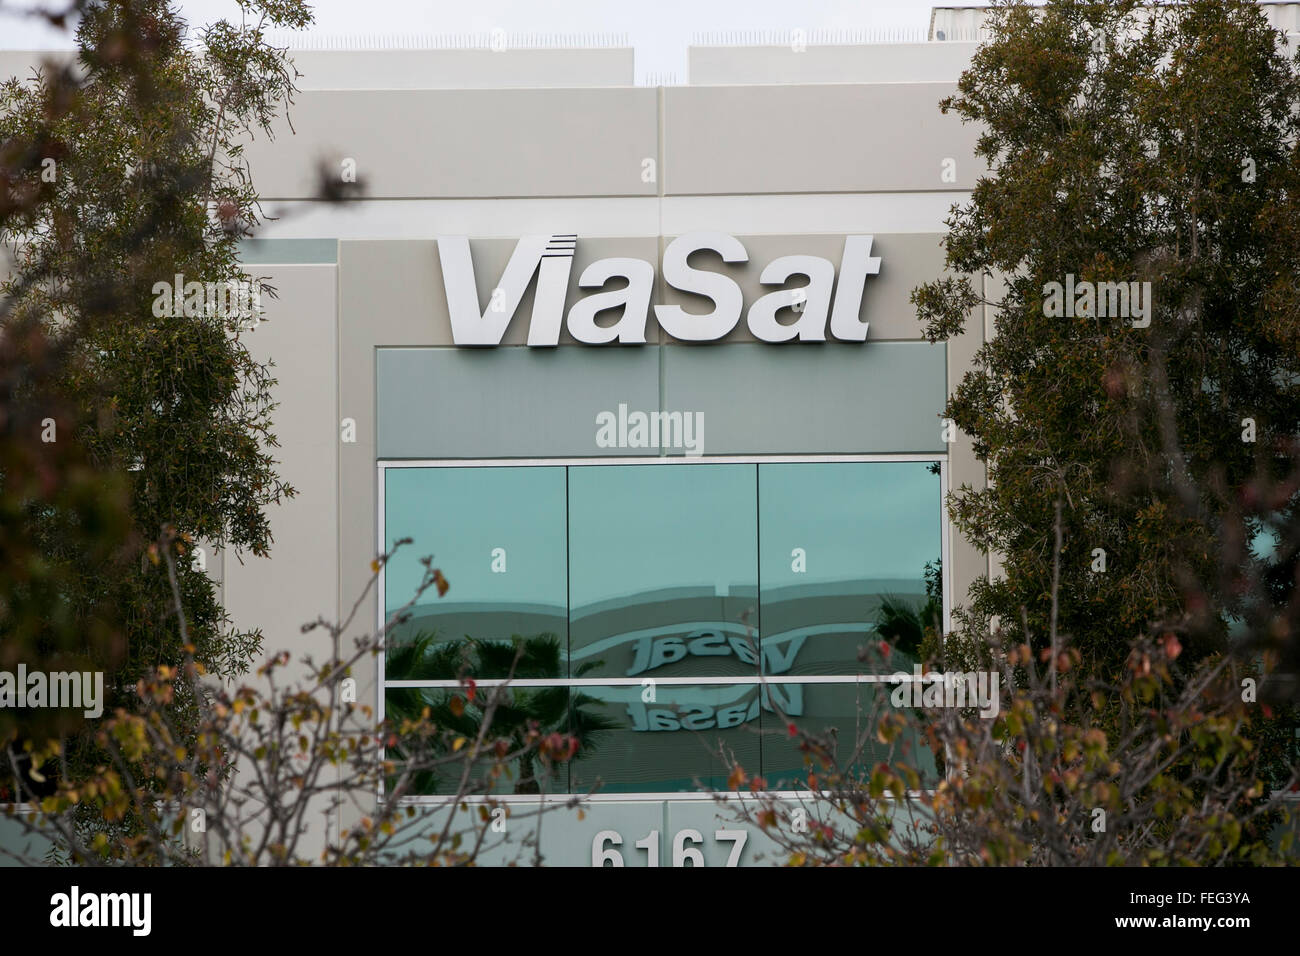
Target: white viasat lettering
815, 304
725, 293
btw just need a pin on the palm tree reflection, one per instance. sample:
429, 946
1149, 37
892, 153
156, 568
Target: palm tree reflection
549, 710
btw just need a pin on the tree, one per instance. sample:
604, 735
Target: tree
1171, 763
1184, 777
1158, 152
269, 759
123, 193
1143, 461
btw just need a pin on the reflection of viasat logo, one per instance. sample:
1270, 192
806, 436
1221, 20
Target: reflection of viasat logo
778, 657
654, 652
706, 715
550, 258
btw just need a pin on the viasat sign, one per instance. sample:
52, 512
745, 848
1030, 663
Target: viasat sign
550, 259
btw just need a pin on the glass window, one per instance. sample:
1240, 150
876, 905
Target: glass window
844, 714
498, 534
663, 566
838, 540
664, 571
671, 744
550, 708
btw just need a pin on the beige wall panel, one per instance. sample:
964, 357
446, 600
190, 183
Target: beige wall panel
968, 561
300, 582
819, 138
465, 143
838, 63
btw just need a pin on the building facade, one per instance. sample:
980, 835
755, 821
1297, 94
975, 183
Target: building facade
638, 367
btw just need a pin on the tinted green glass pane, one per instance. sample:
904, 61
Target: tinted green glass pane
653, 571
838, 539
438, 768
673, 744
845, 714
663, 563
498, 535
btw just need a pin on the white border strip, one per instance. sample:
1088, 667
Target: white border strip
660, 681
659, 460
621, 217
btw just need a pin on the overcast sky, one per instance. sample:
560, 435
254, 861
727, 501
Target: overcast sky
659, 29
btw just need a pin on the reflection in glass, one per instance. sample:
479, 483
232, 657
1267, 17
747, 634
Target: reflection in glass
663, 563
498, 534
850, 713
518, 711
656, 571
837, 538
673, 743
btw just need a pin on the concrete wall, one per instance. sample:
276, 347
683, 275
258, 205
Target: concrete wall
673, 141
786, 169
829, 63
299, 583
